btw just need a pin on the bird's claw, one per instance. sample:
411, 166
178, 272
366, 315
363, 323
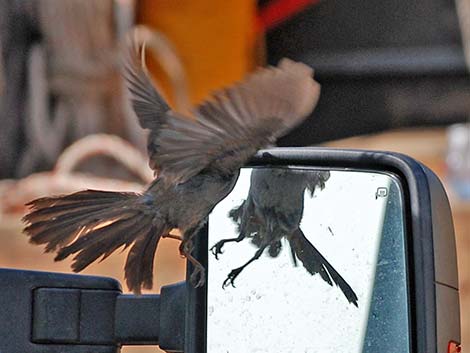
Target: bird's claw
216, 250
230, 280
198, 277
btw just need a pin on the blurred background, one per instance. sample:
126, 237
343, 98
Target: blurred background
394, 75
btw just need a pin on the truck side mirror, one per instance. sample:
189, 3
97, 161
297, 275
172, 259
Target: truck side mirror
320, 248
314, 248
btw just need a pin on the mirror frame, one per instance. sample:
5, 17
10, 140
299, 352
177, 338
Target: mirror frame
429, 244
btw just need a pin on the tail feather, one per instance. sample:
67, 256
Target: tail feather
314, 263
73, 217
57, 210
80, 196
52, 211
115, 237
58, 231
91, 225
139, 262
55, 237
62, 208
99, 241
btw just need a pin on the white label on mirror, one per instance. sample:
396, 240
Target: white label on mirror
277, 307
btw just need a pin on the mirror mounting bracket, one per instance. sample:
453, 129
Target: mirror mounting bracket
55, 312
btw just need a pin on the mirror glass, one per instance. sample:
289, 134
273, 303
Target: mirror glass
307, 260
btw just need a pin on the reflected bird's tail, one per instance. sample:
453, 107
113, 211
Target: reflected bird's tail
314, 263
93, 224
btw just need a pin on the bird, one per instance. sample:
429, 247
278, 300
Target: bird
273, 211
196, 157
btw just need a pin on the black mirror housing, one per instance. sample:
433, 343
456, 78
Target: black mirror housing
430, 244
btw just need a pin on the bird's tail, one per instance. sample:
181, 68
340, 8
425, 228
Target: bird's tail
314, 263
92, 224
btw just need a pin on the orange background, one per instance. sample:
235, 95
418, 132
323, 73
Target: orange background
215, 39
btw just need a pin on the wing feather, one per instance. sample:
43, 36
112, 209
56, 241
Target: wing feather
149, 106
237, 121
229, 128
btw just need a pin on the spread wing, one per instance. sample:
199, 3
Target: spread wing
236, 122
149, 106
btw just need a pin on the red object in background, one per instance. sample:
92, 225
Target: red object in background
278, 11
454, 347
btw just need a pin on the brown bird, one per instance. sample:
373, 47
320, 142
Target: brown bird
196, 161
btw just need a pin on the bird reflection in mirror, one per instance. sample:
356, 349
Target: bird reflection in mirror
196, 158
272, 211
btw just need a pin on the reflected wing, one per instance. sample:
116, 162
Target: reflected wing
149, 106
314, 263
237, 122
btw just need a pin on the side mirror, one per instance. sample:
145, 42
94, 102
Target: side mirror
313, 249
320, 248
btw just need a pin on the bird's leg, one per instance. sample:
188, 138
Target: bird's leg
198, 276
173, 236
244, 228
234, 273
217, 248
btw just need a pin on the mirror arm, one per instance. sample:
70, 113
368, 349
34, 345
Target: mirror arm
108, 317
56, 312
137, 319
152, 319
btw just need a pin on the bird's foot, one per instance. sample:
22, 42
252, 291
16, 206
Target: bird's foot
230, 280
216, 250
198, 277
